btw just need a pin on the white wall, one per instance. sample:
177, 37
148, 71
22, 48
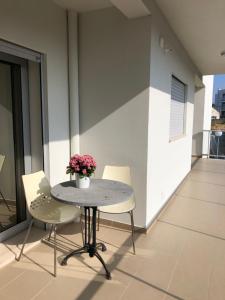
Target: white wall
41, 26
123, 121
114, 91
208, 82
202, 117
198, 121
168, 162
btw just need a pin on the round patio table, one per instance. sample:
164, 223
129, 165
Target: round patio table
101, 192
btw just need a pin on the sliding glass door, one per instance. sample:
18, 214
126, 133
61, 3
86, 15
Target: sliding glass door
22, 142
12, 204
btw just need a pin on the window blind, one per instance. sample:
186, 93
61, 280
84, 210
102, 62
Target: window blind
177, 108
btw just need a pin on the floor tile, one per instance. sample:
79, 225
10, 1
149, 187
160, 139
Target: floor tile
210, 165
203, 191
182, 257
62, 288
163, 238
210, 177
172, 298
107, 290
205, 217
5, 297
217, 279
193, 273
139, 289
10, 249
8, 274
26, 286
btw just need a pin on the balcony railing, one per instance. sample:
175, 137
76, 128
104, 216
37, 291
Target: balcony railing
214, 142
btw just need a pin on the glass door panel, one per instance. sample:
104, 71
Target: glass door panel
21, 136
11, 147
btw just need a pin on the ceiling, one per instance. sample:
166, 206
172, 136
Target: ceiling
130, 8
84, 5
200, 26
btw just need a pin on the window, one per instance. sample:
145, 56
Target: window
177, 108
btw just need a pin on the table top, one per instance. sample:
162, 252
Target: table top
101, 192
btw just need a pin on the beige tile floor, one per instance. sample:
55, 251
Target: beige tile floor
182, 257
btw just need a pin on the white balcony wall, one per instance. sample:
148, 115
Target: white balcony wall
168, 161
114, 65
202, 117
208, 82
41, 26
199, 103
124, 89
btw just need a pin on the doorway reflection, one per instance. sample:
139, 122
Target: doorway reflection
8, 209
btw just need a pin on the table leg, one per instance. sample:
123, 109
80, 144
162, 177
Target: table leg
90, 245
75, 252
101, 246
108, 275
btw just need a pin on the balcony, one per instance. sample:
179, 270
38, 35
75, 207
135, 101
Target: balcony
181, 257
214, 141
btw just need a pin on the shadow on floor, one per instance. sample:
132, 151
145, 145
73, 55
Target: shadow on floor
113, 263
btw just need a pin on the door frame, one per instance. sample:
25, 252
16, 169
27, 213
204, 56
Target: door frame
15, 54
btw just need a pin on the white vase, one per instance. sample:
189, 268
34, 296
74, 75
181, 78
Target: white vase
82, 183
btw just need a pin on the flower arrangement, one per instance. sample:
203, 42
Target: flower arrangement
84, 165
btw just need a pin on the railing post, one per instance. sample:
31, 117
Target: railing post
215, 140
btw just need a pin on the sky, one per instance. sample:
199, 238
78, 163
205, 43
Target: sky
219, 83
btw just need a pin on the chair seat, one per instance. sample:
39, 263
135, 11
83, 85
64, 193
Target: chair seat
50, 211
119, 208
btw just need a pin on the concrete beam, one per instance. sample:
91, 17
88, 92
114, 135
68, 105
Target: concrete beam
131, 8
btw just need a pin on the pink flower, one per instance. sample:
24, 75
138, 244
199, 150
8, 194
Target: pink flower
84, 165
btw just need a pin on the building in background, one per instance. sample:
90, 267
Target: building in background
220, 102
215, 115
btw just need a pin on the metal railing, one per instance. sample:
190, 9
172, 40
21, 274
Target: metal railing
215, 140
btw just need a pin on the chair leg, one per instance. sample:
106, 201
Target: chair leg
55, 262
132, 230
3, 198
98, 219
50, 232
25, 240
82, 228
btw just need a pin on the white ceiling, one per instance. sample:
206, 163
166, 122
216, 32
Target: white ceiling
83, 5
130, 8
200, 26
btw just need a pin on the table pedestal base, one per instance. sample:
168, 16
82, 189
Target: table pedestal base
90, 245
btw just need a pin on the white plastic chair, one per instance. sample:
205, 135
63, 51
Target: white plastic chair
2, 159
44, 208
121, 174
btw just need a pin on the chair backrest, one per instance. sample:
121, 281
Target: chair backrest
122, 174
118, 173
36, 186
2, 158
